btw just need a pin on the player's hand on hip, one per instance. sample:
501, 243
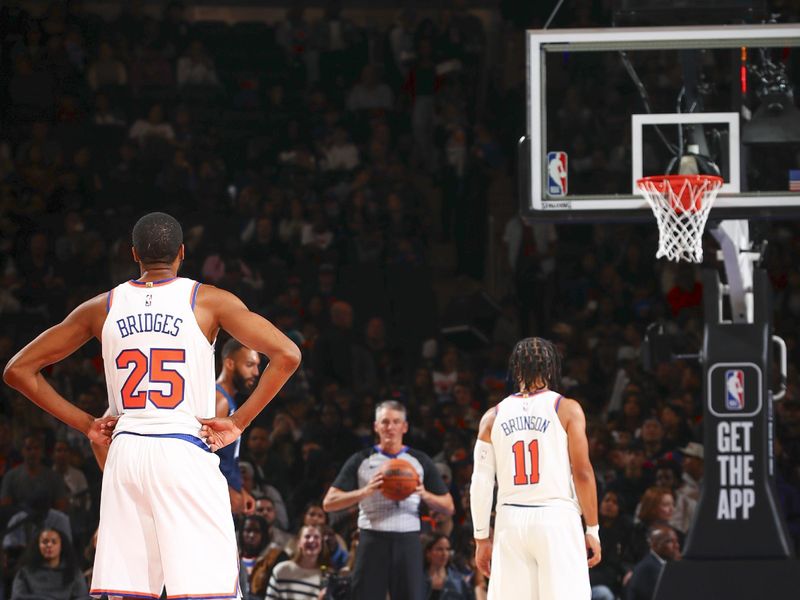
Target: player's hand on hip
593, 550
219, 432
236, 501
483, 556
100, 430
248, 503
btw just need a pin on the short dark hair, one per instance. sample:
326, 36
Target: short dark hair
157, 238
535, 362
231, 347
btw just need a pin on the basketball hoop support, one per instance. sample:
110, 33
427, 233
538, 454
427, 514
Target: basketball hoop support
733, 237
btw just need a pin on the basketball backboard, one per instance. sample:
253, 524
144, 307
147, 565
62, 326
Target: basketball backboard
608, 106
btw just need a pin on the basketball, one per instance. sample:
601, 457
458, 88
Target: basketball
399, 479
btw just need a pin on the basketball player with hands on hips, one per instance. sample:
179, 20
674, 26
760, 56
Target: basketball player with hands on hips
534, 443
389, 554
165, 518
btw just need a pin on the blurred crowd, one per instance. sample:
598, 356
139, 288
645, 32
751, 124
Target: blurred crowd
315, 165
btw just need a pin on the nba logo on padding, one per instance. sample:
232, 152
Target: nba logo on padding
557, 173
734, 389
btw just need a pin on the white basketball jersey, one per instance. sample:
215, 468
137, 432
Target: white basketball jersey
531, 453
159, 365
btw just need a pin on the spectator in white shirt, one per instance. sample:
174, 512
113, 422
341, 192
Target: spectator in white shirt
340, 154
106, 69
370, 93
153, 126
196, 67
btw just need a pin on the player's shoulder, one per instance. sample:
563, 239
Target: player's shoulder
210, 296
490, 415
569, 406
92, 312
569, 411
487, 423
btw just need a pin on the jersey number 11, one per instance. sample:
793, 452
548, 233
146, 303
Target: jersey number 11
521, 476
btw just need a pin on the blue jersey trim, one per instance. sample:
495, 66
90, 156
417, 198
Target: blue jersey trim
152, 283
138, 596
228, 397
178, 436
558, 402
229, 455
194, 293
379, 451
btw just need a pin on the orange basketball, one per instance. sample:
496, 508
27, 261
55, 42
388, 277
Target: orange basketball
400, 479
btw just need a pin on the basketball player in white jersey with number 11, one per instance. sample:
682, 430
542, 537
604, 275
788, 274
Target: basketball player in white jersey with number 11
534, 443
165, 517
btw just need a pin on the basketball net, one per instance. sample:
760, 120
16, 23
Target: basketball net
681, 204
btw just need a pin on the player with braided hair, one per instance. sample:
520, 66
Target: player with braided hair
534, 443
536, 363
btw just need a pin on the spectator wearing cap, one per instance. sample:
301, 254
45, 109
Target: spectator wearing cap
663, 543
693, 464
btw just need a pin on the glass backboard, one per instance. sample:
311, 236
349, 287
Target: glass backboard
607, 106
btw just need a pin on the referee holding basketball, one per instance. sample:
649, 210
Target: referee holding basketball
389, 554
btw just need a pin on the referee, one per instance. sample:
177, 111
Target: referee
389, 553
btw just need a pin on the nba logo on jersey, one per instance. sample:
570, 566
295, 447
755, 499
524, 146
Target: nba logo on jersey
734, 389
557, 173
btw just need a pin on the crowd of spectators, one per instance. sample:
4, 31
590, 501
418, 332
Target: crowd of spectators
303, 159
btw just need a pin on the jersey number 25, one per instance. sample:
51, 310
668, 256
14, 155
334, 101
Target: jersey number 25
521, 476
156, 372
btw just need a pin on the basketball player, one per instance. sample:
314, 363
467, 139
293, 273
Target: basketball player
165, 511
239, 375
534, 442
389, 555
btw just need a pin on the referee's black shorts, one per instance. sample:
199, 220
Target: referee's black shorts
388, 561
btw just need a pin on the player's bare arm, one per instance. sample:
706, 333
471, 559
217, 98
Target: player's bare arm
336, 499
23, 371
216, 309
574, 422
481, 492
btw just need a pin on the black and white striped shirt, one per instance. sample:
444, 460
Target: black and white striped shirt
377, 512
290, 581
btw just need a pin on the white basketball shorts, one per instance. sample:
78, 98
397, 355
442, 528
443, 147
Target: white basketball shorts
539, 553
165, 520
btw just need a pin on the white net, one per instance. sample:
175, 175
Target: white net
681, 204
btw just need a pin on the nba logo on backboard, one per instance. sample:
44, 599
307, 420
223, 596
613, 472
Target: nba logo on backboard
734, 389
557, 173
